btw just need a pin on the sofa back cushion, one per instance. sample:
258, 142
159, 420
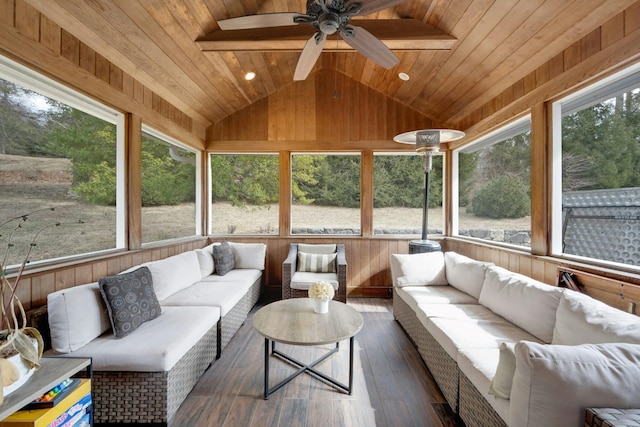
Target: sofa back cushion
76, 316
581, 319
249, 255
464, 273
527, 303
418, 269
174, 273
554, 384
205, 258
317, 248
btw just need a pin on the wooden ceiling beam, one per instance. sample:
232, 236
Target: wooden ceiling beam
397, 34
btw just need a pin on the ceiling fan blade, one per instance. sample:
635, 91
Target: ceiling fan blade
371, 6
259, 21
309, 56
368, 45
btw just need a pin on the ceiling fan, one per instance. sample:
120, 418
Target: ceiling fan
328, 17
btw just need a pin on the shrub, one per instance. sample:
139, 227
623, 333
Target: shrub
503, 197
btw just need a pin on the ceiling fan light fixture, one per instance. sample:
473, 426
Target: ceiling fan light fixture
250, 75
329, 23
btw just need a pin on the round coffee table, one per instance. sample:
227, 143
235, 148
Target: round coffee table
292, 321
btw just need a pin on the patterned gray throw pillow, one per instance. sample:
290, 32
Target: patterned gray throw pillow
130, 299
223, 258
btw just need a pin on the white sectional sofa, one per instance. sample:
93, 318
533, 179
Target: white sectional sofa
144, 375
508, 350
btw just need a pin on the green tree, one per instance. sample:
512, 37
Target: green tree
245, 179
22, 126
503, 197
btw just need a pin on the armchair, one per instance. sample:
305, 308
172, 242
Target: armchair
300, 271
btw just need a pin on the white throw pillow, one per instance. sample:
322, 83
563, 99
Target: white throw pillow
581, 319
500, 385
465, 273
323, 248
554, 384
174, 273
249, 255
418, 269
527, 303
205, 259
76, 316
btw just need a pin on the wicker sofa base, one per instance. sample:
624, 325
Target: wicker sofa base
121, 397
443, 368
231, 322
474, 408
406, 317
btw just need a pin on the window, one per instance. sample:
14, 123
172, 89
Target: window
494, 196
169, 186
597, 171
398, 194
245, 193
60, 150
325, 194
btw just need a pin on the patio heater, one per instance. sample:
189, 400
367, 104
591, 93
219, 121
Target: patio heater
427, 144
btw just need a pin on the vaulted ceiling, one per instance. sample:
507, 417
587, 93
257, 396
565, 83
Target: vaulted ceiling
465, 51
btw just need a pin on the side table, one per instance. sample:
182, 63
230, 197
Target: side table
611, 417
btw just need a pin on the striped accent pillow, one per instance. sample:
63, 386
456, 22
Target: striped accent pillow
317, 263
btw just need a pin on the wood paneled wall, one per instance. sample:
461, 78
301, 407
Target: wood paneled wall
327, 111
31, 38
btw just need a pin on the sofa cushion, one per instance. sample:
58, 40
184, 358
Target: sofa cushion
456, 334
479, 366
236, 275
457, 311
414, 295
249, 255
76, 316
322, 248
418, 269
223, 258
223, 295
174, 273
130, 300
205, 260
527, 303
581, 319
302, 280
554, 384
156, 346
316, 263
465, 273
501, 382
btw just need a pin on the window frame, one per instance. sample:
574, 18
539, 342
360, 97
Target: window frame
32, 80
509, 130
198, 182
585, 97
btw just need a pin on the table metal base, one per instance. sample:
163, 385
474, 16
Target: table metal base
309, 369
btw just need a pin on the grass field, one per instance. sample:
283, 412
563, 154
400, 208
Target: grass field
28, 184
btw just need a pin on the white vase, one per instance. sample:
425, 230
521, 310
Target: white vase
320, 306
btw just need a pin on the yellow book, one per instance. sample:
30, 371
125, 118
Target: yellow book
44, 417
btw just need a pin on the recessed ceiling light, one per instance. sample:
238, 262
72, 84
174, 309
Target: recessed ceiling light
250, 75
403, 76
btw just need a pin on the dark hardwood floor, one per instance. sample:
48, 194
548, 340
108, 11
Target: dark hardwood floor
392, 386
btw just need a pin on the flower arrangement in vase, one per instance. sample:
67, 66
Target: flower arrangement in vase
21, 346
321, 293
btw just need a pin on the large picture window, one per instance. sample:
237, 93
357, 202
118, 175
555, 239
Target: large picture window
597, 172
60, 170
169, 208
325, 194
245, 192
398, 194
494, 189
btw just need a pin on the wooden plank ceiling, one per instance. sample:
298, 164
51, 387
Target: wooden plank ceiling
482, 47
